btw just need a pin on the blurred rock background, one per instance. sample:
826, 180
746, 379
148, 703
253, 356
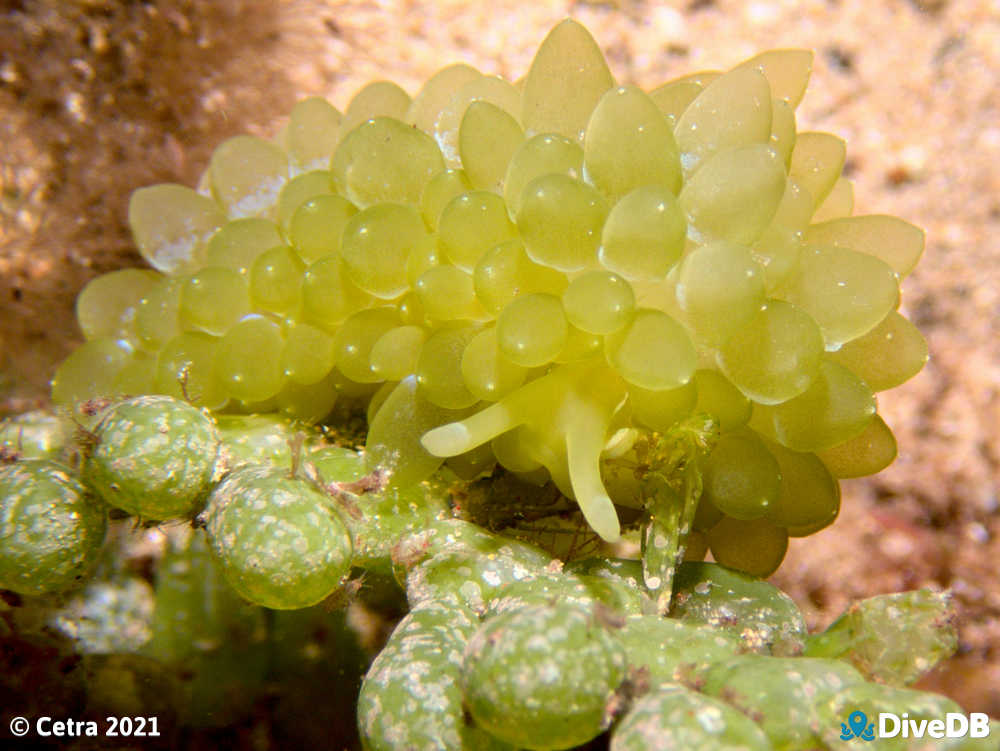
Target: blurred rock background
98, 98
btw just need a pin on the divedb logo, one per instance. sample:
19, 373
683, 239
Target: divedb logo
889, 725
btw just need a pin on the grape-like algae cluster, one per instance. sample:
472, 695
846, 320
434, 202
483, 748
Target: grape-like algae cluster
659, 301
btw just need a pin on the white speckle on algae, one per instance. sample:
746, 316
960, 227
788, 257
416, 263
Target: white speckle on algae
711, 719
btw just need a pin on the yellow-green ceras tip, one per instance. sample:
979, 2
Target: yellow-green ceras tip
533, 274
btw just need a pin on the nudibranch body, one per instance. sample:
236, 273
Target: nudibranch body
526, 272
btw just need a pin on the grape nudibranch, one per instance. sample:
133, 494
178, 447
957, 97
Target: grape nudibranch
538, 272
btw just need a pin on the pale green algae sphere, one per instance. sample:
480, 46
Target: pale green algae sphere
279, 539
51, 529
542, 677
673, 651
154, 456
39, 434
578, 589
764, 618
674, 718
411, 697
469, 580
786, 696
